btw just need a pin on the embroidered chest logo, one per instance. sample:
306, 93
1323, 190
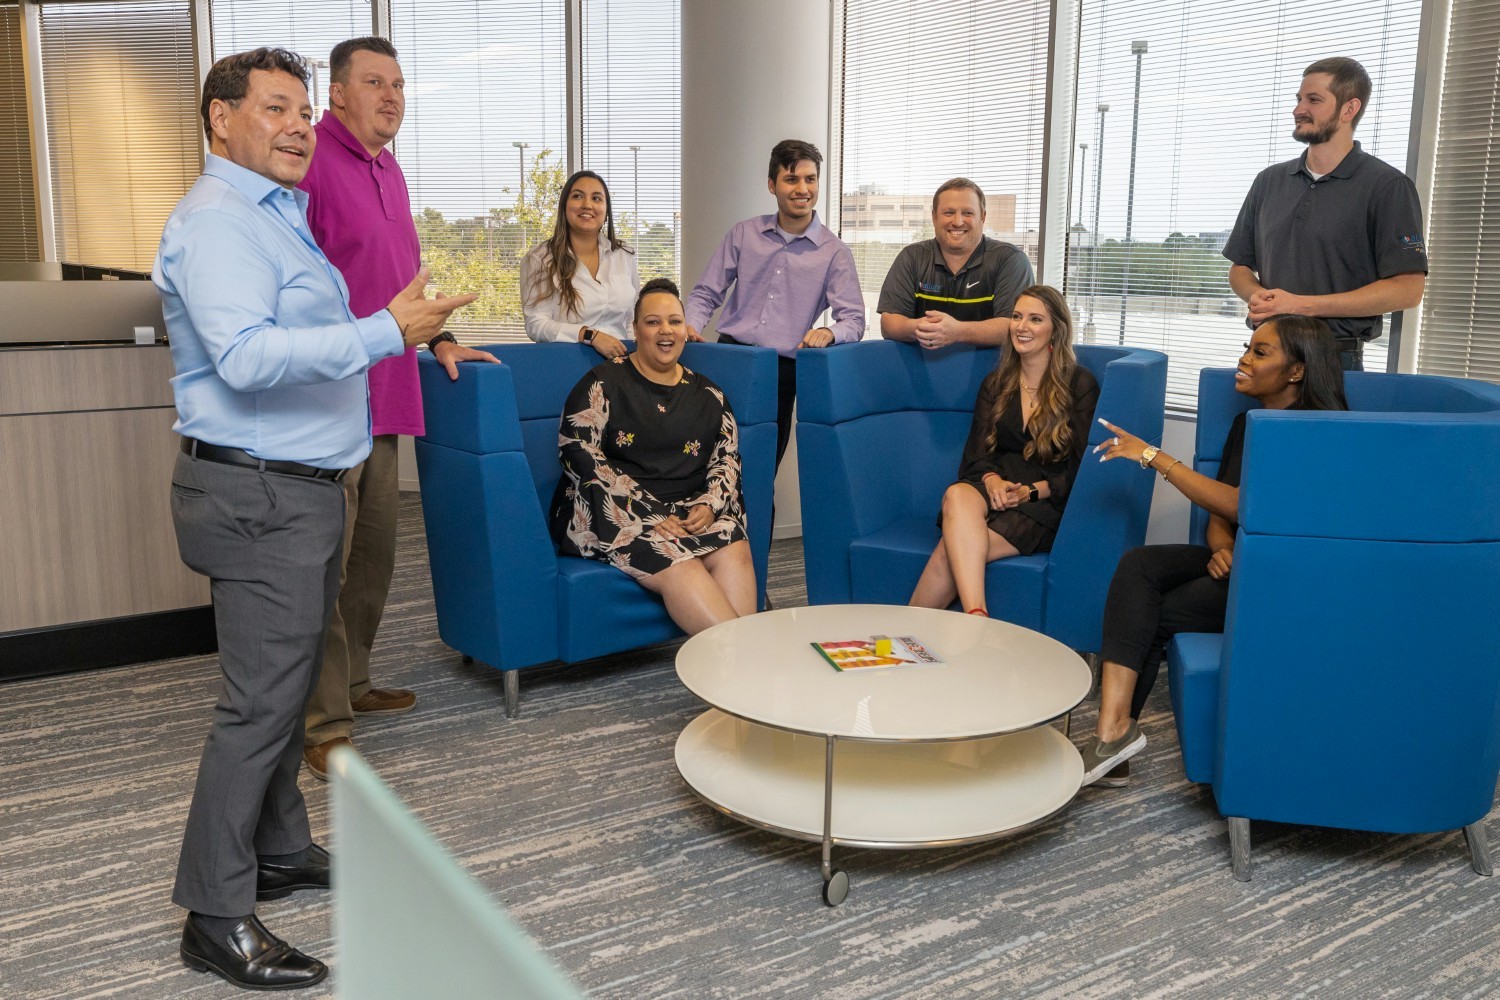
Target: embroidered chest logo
623, 440
930, 286
691, 448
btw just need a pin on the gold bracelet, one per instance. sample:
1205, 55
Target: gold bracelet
1168, 471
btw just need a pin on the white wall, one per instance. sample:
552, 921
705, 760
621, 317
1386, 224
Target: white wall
752, 75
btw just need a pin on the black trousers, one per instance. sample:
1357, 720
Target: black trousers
1157, 592
786, 397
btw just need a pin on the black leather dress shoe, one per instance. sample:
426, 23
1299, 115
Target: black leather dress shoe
250, 956
276, 881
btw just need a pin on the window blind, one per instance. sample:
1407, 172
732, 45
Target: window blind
481, 79
1462, 302
933, 91
632, 122
121, 100
19, 237
310, 28
1217, 86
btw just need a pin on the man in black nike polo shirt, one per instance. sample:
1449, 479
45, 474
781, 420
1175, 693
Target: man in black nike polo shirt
959, 287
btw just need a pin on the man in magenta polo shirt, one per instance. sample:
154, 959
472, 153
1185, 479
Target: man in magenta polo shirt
360, 214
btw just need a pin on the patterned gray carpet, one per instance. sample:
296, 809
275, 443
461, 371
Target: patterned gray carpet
574, 817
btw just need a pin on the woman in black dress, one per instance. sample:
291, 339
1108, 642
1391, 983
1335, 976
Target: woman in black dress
651, 473
1031, 426
1291, 363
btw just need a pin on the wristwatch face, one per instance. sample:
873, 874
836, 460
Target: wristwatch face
588, 335
1147, 455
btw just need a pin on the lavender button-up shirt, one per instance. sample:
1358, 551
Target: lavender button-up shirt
781, 286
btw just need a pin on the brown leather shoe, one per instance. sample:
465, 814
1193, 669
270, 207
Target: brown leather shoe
385, 701
317, 756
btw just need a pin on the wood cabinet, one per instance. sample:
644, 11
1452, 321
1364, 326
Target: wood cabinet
86, 454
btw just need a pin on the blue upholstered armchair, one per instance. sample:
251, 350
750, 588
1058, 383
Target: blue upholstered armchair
1357, 682
488, 466
880, 429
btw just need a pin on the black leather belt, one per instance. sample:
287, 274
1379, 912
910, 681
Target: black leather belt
234, 456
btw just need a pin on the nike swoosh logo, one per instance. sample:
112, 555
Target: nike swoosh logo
970, 285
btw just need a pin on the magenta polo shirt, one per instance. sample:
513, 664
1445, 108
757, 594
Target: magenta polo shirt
360, 214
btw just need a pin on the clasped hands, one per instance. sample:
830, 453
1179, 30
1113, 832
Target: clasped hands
936, 329
698, 520
1004, 494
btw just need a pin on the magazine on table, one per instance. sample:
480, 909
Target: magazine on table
876, 652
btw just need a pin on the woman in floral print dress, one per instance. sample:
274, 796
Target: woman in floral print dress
651, 473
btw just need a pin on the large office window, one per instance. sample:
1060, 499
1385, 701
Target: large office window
1462, 305
19, 238
484, 144
632, 122
933, 91
311, 28
1212, 108
122, 125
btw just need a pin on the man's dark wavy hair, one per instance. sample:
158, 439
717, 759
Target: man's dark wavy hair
790, 152
229, 78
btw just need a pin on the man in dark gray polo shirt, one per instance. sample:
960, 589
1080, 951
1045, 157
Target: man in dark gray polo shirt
1335, 233
959, 287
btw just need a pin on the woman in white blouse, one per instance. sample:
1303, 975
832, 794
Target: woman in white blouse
581, 284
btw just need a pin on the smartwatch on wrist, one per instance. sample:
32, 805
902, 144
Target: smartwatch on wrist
586, 335
1034, 493
443, 338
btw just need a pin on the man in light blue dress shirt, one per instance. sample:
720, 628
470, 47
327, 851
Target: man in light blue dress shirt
273, 407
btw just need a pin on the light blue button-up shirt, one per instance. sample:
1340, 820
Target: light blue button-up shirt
269, 358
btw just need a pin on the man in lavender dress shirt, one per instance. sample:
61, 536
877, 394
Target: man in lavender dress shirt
360, 214
785, 269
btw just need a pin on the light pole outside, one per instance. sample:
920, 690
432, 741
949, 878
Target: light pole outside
1103, 109
521, 148
1138, 49
635, 184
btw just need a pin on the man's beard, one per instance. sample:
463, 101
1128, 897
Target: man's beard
1316, 134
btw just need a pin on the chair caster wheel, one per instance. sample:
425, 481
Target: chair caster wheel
836, 889
468, 659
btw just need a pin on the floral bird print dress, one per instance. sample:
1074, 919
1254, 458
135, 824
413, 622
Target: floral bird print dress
634, 453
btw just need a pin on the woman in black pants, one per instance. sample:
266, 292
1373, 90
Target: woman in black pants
1291, 363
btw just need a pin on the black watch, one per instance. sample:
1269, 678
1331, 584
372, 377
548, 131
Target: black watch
1034, 493
587, 336
443, 338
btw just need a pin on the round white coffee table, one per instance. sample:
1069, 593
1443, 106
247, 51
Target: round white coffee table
919, 756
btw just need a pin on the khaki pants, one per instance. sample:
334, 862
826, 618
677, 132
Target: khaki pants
373, 494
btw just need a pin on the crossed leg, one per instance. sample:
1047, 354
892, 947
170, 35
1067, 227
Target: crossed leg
956, 568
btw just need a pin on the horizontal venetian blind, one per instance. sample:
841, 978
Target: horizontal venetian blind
932, 91
1217, 87
632, 122
122, 125
482, 78
19, 236
1461, 308
310, 28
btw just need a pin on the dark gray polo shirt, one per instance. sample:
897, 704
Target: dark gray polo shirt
985, 287
1356, 224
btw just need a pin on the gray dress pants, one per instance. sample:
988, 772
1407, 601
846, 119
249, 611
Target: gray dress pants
271, 546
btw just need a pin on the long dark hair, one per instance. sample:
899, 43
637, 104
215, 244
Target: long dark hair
1306, 340
1051, 433
558, 263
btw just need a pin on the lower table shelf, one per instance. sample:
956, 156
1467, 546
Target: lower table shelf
894, 795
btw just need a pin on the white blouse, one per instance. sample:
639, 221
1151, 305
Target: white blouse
605, 303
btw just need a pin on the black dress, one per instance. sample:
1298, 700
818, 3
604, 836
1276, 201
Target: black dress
1030, 527
634, 453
